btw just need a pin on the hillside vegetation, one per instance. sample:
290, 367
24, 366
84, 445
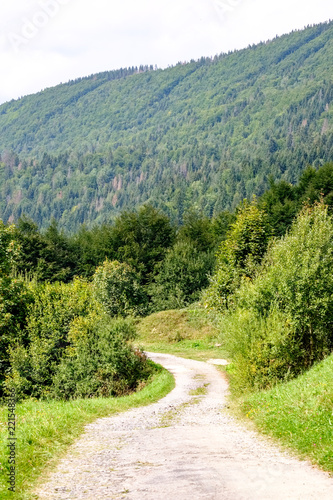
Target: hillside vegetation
207, 133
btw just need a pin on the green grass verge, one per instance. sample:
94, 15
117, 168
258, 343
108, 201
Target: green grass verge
189, 333
44, 430
298, 413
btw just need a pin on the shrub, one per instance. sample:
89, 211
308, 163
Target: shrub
117, 288
283, 319
74, 348
101, 363
49, 318
14, 298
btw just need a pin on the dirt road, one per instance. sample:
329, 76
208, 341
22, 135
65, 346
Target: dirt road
182, 448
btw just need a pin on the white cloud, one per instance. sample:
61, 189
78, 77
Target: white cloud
44, 42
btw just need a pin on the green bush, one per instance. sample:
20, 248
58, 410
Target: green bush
55, 306
102, 363
117, 288
74, 349
14, 298
261, 348
282, 321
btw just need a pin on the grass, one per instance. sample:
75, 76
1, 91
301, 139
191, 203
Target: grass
189, 333
172, 416
298, 413
44, 430
200, 350
200, 391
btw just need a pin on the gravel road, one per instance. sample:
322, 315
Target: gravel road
184, 447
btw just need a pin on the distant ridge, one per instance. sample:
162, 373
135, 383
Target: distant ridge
205, 134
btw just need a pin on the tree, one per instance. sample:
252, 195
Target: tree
197, 230
50, 256
281, 204
32, 244
221, 224
92, 247
240, 254
57, 258
14, 297
117, 288
141, 239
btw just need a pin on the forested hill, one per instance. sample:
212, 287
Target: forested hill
207, 133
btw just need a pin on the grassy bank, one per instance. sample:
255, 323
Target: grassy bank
189, 333
44, 430
298, 413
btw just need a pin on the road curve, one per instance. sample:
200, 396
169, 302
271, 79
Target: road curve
183, 447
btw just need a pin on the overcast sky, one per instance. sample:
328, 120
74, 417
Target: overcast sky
45, 42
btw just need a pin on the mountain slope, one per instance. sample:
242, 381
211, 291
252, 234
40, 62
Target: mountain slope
206, 133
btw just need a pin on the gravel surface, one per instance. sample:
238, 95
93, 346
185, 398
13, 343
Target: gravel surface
183, 447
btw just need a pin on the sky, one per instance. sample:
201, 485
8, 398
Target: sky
46, 42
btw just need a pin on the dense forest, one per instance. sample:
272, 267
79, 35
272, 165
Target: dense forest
204, 134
